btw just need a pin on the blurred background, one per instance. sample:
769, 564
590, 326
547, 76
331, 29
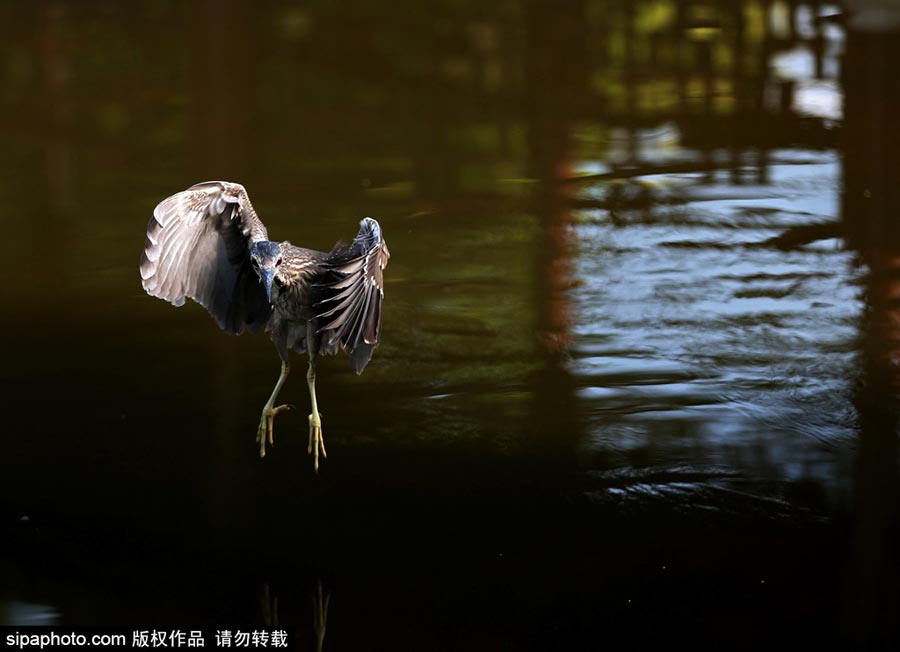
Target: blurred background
638, 381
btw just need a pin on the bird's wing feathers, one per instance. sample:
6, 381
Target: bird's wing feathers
351, 292
198, 247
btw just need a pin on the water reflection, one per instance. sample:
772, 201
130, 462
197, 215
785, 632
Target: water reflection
739, 328
316, 617
641, 314
13, 612
869, 202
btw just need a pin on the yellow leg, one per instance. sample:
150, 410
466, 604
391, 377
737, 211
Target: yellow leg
316, 442
266, 428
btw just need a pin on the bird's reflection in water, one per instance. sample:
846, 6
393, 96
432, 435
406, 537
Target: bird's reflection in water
319, 599
268, 606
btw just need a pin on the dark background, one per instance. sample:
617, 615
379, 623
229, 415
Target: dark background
637, 384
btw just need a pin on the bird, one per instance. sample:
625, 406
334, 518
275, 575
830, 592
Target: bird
207, 243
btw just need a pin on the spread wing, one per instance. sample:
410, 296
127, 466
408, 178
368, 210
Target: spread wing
351, 291
198, 247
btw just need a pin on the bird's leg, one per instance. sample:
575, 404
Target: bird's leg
267, 420
316, 442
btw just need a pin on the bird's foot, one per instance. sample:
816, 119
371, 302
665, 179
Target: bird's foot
316, 442
265, 432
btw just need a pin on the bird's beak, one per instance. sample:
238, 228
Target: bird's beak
267, 276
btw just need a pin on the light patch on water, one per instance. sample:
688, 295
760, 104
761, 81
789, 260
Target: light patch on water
27, 614
822, 99
696, 342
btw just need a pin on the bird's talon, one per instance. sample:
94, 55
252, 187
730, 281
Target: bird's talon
265, 433
316, 441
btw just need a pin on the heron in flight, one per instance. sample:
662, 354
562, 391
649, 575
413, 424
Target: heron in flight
208, 244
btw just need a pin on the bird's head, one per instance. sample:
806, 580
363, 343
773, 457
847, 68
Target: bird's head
266, 258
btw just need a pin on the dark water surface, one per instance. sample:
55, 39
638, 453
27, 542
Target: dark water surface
637, 387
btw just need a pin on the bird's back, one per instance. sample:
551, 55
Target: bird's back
338, 294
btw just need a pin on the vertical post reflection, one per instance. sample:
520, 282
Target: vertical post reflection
763, 61
739, 90
871, 169
555, 76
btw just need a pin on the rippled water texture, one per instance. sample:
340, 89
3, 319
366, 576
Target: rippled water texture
637, 386
703, 355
